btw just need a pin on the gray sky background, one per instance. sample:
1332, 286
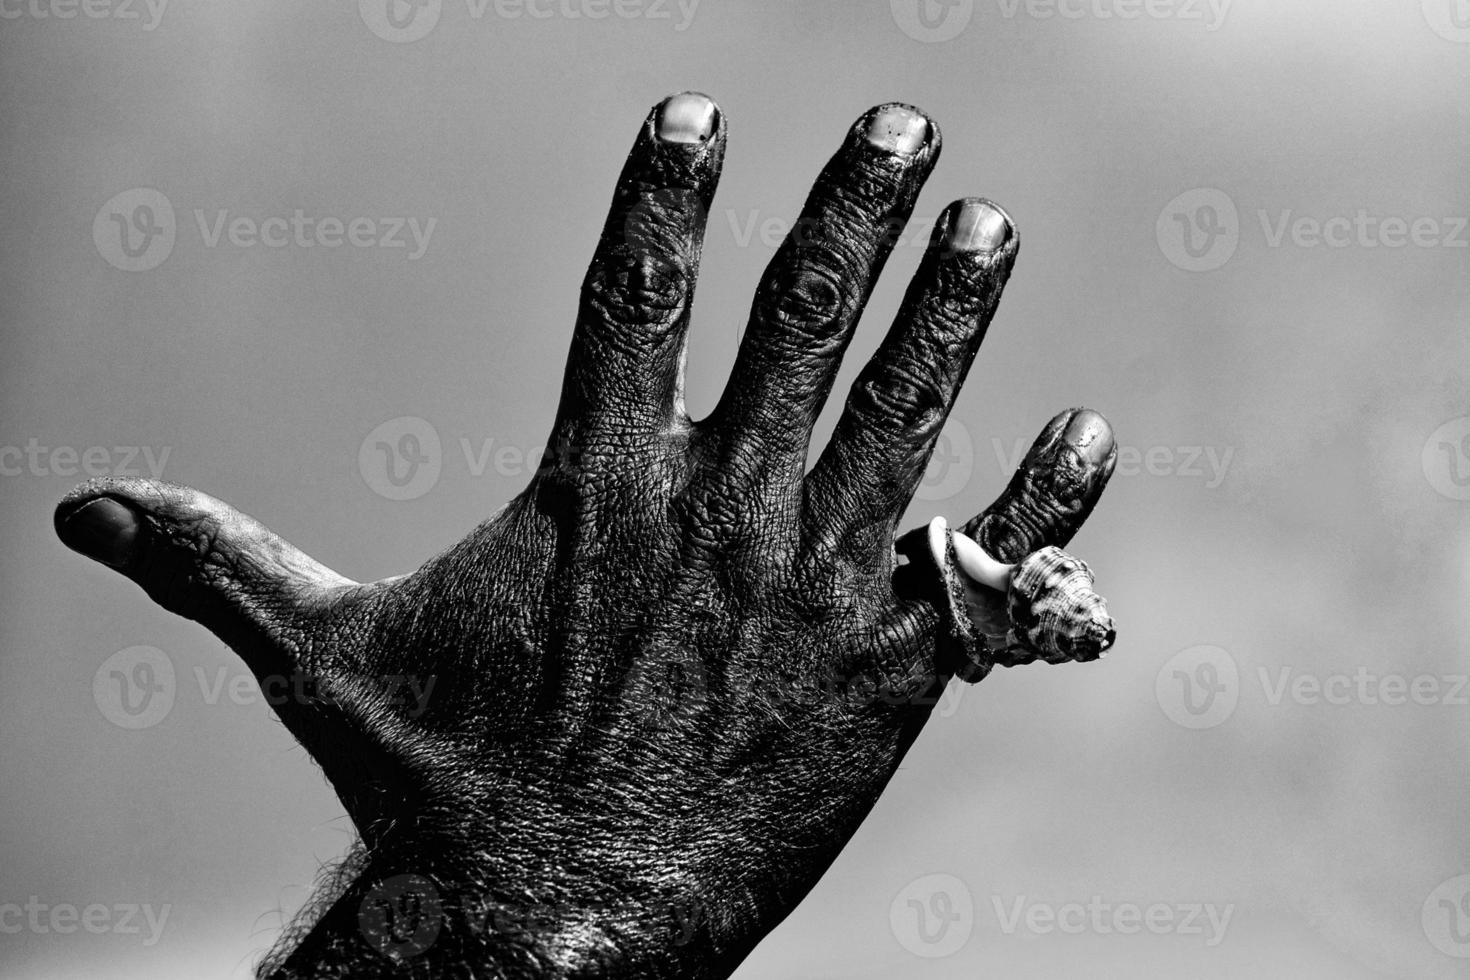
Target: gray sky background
1293, 502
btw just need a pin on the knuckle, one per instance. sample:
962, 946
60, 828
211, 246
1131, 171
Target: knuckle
813, 296
641, 274
1031, 514
606, 460
631, 289
902, 396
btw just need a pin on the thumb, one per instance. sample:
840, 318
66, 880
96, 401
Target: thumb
202, 559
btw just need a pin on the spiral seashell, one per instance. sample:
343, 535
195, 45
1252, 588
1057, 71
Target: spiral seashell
1055, 613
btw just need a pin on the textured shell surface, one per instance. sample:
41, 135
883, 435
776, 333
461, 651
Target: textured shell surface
1048, 609
1054, 611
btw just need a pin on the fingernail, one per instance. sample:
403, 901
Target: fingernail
898, 129
977, 226
104, 530
687, 118
1090, 434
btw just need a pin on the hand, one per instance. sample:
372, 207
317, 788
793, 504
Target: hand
626, 724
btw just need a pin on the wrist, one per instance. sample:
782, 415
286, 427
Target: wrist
421, 918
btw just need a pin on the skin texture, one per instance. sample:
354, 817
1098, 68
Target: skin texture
624, 726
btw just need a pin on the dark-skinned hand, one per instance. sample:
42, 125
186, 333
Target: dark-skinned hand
625, 725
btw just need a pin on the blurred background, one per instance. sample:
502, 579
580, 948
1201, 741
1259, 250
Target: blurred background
246, 243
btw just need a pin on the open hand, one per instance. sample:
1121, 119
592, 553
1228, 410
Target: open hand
624, 726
